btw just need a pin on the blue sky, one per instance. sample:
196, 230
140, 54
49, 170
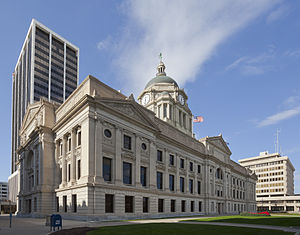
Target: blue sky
238, 61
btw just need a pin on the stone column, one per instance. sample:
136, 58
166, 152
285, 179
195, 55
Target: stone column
138, 143
166, 179
73, 158
98, 151
177, 180
64, 162
40, 153
118, 159
152, 166
34, 168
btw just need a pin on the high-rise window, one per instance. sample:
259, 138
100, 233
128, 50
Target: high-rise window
181, 184
128, 204
192, 206
181, 163
159, 155
127, 142
74, 202
145, 204
107, 169
127, 173
159, 180
171, 160
109, 203
78, 169
160, 205
183, 206
191, 186
173, 203
171, 182
143, 175
199, 187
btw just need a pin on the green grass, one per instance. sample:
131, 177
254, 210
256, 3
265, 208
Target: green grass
286, 221
180, 229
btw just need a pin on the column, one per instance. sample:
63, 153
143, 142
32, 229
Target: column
152, 166
166, 175
138, 143
64, 163
98, 151
73, 158
34, 168
118, 159
177, 180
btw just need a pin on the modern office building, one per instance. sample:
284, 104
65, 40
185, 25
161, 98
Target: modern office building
102, 155
3, 191
48, 66
275, 184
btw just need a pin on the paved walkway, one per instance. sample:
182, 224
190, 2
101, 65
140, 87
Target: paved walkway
33, 226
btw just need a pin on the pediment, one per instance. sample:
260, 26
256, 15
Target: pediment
31, 111
219, 142
130, 109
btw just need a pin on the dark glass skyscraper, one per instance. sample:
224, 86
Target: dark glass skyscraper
48, 66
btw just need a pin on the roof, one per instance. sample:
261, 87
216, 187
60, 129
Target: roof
161, 79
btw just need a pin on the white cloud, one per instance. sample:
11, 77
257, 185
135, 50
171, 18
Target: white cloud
278, 13
236, 63
273, 119
186, 32
295, 53
104, 44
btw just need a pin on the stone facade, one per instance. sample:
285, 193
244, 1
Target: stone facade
102, 155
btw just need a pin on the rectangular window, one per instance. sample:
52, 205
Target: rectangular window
199, 187
173, 208
182, 184
127, 142
158, 111
34, 204
191, 166
143, 176
57, 204
128, 204
159, 155
69, 172
78, 138
69, 144
78, 169
159, 180
107, 169
184, 120
191, 186
180, 118
171, 160
190, 126
192, 206
171, 182
200, 206
65, 205
170, 112
145, 204
181, 163
60, 149
165, 110
109, 203
183, 206
160, 205
199, 169
127, 173
74, 203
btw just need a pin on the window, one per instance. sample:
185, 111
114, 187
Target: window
160, 205
69, 172
107, 169
170, 112
183, 206
180, 118
199, 187
78, 138
69, 144
144, 146
200, 206
171, 160
191, 166
60, 148
145, 204
159, 180
158, 111
78, 169
107, 133
159, 155
171, 182
199, 169
165, 110
173, 203
127, 172
182, 184
181, 163
128, 204
184, 120
127, 142
34, 204
65, 203
191, 184
192, 206
143, 175
57, 204
109, 203
74, 202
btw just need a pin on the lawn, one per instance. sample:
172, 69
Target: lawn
286, 221
177, 228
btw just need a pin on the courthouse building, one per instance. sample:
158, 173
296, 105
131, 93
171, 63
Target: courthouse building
275, 184
104, 155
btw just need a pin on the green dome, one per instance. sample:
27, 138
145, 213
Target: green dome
161, 79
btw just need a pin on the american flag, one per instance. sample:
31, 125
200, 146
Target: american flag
198, 119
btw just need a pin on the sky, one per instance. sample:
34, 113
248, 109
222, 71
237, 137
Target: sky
238, 61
